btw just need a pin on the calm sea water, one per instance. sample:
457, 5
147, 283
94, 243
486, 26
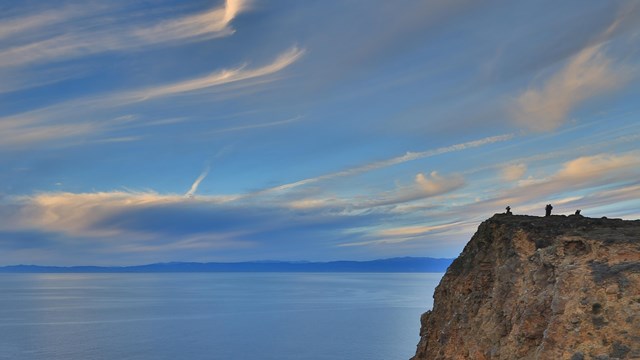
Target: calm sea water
212, 316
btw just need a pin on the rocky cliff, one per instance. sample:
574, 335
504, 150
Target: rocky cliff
528, 287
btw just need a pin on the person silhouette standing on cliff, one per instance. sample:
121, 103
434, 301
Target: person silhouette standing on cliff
508, 208
547, 210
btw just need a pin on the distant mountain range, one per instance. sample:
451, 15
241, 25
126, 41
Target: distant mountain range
403, 264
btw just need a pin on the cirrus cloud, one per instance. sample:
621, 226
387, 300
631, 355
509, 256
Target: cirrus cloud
105, 33
34, 126
588, 74
513, 172
166, 227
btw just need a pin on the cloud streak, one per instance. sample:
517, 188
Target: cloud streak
409, 156
212, 23
577, 184
28, 24
588, 74
194, 186
222, 77
513, 172
33, 127
106, 34
424, 186
576, 177
18, 135
163, 227
257, 126
401, 234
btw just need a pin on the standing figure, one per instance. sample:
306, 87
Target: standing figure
508, 210
547, 210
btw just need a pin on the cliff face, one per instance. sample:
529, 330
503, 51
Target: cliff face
527, 287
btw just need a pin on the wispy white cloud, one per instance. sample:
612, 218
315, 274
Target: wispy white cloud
588, 74
259, 125
595, 167
198, 243
513, 172
22, 135
217, 78
160, 225
12, 26
423, 187
578, 176
82, 214
108, 214
154, 222
194, 186
35, 125
88, 38
409, 156
436, 184
604, 198
22, 79
597, 184
401, 234
212, 23
120, 139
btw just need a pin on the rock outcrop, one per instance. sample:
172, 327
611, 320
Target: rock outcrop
526, 287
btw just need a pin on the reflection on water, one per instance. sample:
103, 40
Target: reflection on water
212, 316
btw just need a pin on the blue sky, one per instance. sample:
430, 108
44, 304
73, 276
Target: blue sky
157, 130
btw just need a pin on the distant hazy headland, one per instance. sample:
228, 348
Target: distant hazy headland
404, 264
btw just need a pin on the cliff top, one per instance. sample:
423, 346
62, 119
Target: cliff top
605, 229
563, 220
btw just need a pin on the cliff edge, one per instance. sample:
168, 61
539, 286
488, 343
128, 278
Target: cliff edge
526, 287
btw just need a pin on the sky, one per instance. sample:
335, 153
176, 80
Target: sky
145, 131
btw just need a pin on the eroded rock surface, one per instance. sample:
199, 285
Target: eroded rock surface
528, 287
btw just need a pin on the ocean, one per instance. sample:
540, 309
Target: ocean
213, 315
